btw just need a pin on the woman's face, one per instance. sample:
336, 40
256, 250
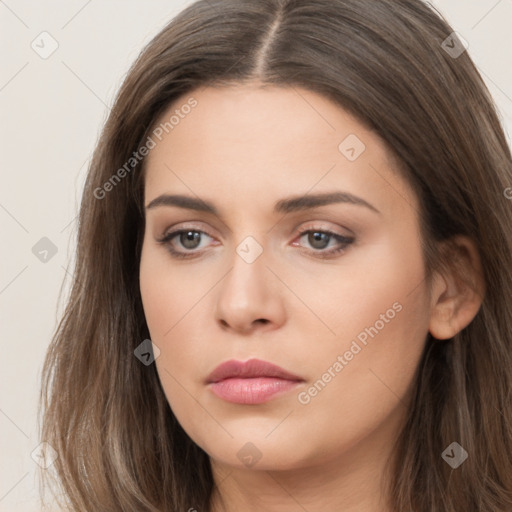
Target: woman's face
301, 248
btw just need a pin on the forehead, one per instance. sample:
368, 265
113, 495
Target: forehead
252, 141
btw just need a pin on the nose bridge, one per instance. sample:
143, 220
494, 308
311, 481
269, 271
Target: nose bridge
247, 294
247, 277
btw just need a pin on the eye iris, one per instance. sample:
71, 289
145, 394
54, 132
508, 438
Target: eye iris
317, 240
189, 239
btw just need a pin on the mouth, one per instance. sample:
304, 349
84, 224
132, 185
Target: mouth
251, 382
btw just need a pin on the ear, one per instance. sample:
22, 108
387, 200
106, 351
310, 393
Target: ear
457, 292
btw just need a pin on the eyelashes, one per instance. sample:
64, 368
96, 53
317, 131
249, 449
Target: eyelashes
315, 236
187, 238
182, 234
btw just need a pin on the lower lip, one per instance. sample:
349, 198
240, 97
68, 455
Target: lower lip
251, 391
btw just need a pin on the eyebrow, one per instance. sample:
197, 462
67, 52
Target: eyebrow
288, 205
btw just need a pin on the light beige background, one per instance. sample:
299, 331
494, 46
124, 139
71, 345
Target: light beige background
51, 112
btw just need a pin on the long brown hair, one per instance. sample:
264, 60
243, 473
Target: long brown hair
389, 64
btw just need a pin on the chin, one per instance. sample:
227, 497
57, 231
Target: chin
278, 452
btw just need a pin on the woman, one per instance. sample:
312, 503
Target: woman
290, 290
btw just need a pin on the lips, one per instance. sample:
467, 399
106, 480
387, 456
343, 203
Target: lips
250, 369
251, 382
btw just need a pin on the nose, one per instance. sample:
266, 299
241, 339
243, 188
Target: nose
250, 298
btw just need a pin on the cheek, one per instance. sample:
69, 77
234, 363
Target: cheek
379, 312
169, 293
370, 281
168, 300
361, 382
175, 303
378, 309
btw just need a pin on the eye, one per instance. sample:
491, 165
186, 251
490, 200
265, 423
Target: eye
321, 240
188, 239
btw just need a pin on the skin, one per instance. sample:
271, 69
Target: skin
243, 148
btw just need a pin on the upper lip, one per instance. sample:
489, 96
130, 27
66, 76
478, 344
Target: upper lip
249, 369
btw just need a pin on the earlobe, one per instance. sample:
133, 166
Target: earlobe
457, 292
